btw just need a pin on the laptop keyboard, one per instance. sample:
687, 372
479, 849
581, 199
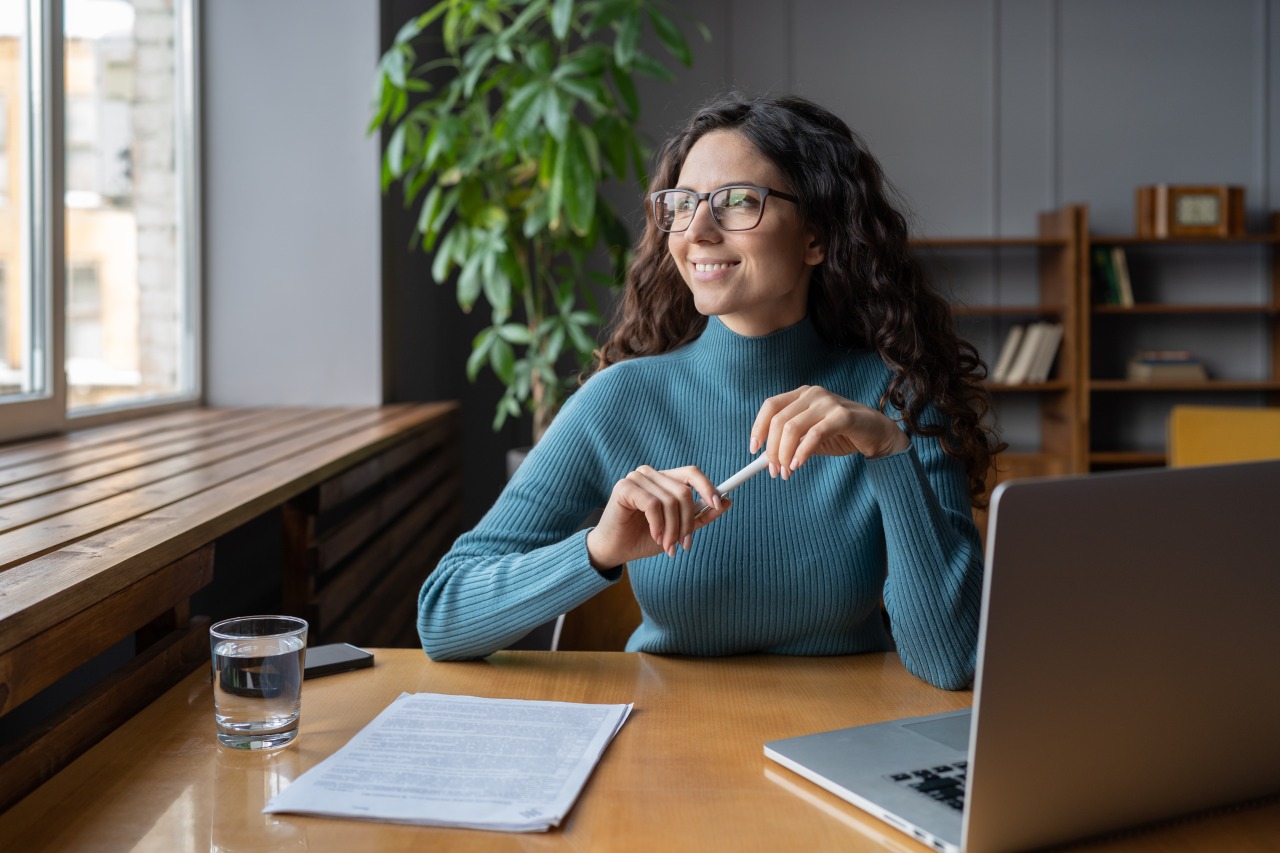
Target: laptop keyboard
944, 783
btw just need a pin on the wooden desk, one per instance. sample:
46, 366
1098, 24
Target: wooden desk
687, 771
106, 533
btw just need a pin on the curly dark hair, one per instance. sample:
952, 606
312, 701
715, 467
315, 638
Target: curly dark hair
870, 291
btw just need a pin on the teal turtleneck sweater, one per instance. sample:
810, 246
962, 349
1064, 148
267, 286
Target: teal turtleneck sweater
795, 566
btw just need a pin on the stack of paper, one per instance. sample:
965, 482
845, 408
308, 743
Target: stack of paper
430, 758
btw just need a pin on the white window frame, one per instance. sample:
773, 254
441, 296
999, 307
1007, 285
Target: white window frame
44, 234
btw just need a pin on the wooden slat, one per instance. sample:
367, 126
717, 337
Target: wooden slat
194, 455
28, 668
22, 452
56, 531
337, 491
54, 462
334, 546
345, 586
41, 592
60, 740
88, 477
380, 617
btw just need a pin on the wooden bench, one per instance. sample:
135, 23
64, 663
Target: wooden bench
105, 534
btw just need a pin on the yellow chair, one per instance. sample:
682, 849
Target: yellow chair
1209, 435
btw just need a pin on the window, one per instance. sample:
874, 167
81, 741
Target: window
98, 210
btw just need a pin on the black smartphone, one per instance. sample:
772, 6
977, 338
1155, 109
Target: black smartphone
335, 657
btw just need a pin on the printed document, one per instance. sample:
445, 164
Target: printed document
431, 758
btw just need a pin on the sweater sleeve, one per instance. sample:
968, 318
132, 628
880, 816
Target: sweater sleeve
933, 589
526, 561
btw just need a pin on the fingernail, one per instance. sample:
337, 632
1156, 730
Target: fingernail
755, 444
715, 502
786, 472
773, 470
687, 542
671, 552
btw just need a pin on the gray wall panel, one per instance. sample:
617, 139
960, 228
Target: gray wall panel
875, 64
1027, 116
1157, 92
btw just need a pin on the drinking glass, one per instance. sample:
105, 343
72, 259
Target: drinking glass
257, 679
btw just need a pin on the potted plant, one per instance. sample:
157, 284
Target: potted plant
502, 138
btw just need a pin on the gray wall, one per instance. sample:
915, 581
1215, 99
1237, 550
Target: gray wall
292, 276
982, 112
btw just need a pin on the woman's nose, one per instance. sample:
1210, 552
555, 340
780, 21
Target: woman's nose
702, 228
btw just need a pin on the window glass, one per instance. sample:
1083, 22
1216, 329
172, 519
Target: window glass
16, 311
127, 329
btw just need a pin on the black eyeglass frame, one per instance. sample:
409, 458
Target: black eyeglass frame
765, 192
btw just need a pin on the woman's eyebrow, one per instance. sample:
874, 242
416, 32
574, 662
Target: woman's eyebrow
719, 186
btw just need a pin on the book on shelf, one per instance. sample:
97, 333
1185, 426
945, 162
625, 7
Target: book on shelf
1165, 366
1028, 353
1124, 288
1011, 342
1111, 283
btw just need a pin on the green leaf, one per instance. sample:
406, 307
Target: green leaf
559, 180
614, 134
561, 18
582, 342
539, 58
555, 344
395, 150
442, 263
502, 358
579, 178
590, 93
480, 352
524, 19
671, 37
478, 64
469, 282
650, 66
607, 12
497, 287
430, 209
626, 87
516, 333
555, 114
627, 44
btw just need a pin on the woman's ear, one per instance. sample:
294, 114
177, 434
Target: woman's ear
814, 251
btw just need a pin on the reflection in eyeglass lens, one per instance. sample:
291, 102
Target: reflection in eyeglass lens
733, 208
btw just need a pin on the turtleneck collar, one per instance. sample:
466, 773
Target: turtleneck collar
781, 359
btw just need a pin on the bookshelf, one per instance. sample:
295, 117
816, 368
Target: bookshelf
999, 282
1216, 297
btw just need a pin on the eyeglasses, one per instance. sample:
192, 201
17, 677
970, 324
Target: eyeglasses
736, 208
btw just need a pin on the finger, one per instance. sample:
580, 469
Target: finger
693, 478
712, 513
785, 431
768, 409
676, 502
664, 514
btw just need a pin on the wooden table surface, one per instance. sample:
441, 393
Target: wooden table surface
686, 772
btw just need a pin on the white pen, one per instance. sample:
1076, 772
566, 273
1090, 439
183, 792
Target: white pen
756, 465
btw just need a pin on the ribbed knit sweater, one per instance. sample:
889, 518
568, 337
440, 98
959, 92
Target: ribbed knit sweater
795, 566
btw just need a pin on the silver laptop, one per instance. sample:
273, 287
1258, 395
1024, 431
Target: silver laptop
1128, 669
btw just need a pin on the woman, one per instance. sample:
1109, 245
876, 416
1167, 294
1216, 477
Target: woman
773, 307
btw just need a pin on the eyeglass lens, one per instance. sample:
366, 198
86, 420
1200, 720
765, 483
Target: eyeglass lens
733, 208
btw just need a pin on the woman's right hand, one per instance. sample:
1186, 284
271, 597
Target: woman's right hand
651, 512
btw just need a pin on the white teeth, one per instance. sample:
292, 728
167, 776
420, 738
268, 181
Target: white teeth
711, 267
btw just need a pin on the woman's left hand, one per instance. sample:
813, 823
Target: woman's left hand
811, 420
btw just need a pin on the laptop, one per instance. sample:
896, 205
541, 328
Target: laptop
1128, 669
